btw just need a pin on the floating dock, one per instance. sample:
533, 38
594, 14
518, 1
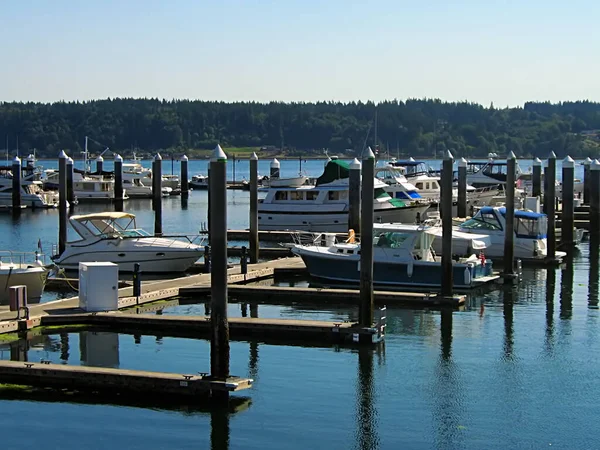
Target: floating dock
60, 376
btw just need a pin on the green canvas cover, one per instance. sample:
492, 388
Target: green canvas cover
334, 170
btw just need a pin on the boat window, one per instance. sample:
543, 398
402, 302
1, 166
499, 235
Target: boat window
487, 221
531, 227
312, 195
419, 185
281, 195
343, 195
296, 195
389, 239
333, 195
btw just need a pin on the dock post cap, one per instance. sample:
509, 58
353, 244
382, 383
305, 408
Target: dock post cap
62, 155
17, 160
184, 158
552, 155
157, 157
568, 162
511, 155
595, 165
462, 162
411, 159
100, 158
355, 164
537, 162
587, 161
275, 164
448, 155
118, 158
218, 154
254, 157
369, 155
70, 161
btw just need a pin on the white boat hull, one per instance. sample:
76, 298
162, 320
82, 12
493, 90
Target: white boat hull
156, 255
29, 200
336, 222
34, 278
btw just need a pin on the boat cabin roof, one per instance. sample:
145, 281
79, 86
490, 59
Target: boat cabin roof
519, 213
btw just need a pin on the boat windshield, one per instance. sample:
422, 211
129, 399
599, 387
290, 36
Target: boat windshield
532, 228
483, 221
135, 233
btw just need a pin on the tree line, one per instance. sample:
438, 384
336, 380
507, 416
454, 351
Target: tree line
419, 128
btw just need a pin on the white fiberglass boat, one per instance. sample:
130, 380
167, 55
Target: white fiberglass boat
114, 237
403, 256
530, 233
324, 206
17, 268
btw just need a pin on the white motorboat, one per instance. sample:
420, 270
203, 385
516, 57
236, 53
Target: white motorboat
135, 170
490, 173
324, 206
94, 188
403, 256
285, 182
18, 268
530, 233
32, 192
397, 184
114, 237
135, 188
199, 182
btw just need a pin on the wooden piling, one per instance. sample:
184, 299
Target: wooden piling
219, 348
586, 180
62, 201
550, 205
595, 201
354, 197
253, 236
568, 207
16, 184
509, 231
537, 178
118, 182
70, 187
446, 212
99, 165
185, 185
157, 194
275, 169
461, 208
365, 316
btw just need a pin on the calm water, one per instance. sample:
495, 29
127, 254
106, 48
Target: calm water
513, 370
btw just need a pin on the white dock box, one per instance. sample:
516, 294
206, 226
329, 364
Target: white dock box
98, 286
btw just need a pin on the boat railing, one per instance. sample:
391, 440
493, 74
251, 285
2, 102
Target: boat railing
314, 239
22, 258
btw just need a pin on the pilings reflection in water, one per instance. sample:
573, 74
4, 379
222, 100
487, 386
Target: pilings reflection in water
594, 255
447, 390
366, 398
550, 290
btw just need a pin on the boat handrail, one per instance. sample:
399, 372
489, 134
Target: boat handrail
19, 257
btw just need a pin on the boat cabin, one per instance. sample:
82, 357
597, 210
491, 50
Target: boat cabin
528, 224
394, 178
411, 168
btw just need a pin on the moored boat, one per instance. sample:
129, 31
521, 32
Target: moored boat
114, 237
20, 268
323, 207
403, 256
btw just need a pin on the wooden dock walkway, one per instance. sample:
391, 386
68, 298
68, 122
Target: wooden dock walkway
86, 378
240, 328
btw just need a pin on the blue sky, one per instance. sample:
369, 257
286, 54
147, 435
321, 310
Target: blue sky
506, 52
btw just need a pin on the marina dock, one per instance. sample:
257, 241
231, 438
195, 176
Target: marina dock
86, 378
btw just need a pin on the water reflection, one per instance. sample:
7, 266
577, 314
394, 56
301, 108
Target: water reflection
447, 390
366, 417
594, 255
508, 302
219, 428
99, 349
566, 290
550, 288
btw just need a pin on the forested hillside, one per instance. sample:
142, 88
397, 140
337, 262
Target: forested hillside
415, 127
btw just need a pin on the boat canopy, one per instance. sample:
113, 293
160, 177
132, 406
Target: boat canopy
476, 241
103, 216
334, 170
520, 213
